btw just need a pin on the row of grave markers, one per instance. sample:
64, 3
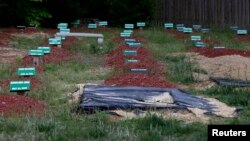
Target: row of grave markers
36, 54
126, 34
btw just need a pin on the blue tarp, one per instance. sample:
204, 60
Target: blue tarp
114, 97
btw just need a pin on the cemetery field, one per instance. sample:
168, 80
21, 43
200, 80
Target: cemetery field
171, 57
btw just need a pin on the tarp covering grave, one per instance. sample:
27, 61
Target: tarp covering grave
113, 98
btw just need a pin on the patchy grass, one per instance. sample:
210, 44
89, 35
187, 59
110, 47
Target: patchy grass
23, 42
180, 69
162, 43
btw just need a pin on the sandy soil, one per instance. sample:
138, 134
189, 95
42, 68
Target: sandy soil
9, 55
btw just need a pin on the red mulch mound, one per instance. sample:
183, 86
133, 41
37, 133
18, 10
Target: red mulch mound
211, 43
245, 38
134, 79
117, 60
16, 105
57, 55
211, 53
35, 82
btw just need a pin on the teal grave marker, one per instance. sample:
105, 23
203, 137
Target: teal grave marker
242, 32
187, 30
92, 26
195, 38
129, 26
64, 30
205, 30
180, 27
129, 41
128, 31
55, 41
76, 22
132, 61
200, 44
140, 24
62, 25
130, 52
134, 44
169, 25
36, 53
196, 27
144, 71
123, 34
26, 71
103, 23
16, 86
46, 50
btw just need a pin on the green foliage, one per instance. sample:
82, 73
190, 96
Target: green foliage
36, 15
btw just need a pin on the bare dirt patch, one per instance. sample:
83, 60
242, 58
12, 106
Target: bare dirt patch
9, 55
230, 66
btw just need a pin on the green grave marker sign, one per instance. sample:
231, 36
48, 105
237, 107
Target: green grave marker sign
123, 34
129, 26
92, 26
234, 28
128, 31
187, 30
196, 27
139, 70
76, 22
16, 86
205, 30
200, 44
195, 38
242, 32
36, 53
132, 61
129, 41
46, 50
55, 41
169, 25
62, 25
134, 44
103, 23
26, 71
130, 52
140, 24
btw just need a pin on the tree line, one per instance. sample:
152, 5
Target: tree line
50, 12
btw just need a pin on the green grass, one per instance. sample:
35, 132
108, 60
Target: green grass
162, 43
180, 69
225, 36
22, 42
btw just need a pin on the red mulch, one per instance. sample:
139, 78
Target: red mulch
244, 38
57, 55
4, 39
210, 52
211, 43
35, 82
134, 79
16, 104
18, 31
117, 60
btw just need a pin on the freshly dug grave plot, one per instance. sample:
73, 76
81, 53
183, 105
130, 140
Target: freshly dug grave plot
117, 60
245, 38
229, 66
35, 82
18, 105
211, 52
134, 79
